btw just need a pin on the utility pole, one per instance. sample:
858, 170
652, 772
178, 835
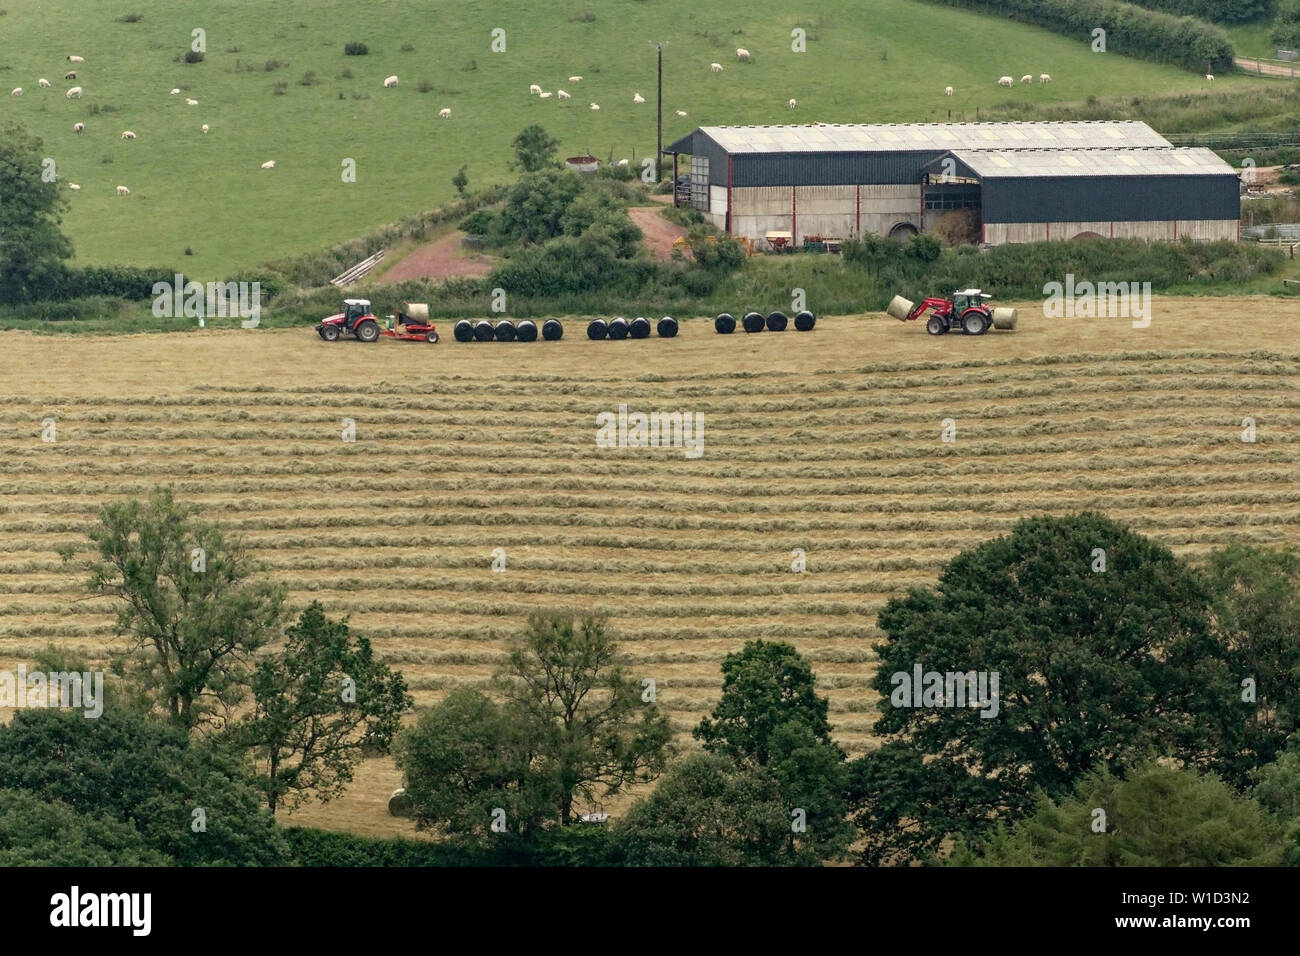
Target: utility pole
659, 106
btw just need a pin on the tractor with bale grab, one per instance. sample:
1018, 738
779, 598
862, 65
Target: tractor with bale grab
965, 310
411, 324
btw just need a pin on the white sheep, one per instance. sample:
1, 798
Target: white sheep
76, 59
947, 91
175, 90
1044, 78
545, 94
575, 79
561, 95
73, 186
73, 93
595, 106
127, 134
78, 127
390, 82
123, 191
534, 89
742, 54
638, 98
1026, 79
680, 112
1209, 77
269, 164
1006, 81
190, 102
445, 113
715, 67
43, 83
793, 103
70, 75
621, 162
16, 91
205, 127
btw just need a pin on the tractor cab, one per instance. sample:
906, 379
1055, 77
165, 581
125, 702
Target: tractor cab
964, 299
354, 309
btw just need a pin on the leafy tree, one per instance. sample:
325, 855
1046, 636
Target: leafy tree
1277, 790
467, 757
707, 811
1095, 666
534, 149
32, 247
318, 703
535, 205
460, 181
146, 772
594, 733
1256, 594
1156, 816
195, 617
39, 832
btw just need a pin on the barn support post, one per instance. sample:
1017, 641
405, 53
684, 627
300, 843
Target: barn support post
794, 217
857, 214
674, 179
729, 167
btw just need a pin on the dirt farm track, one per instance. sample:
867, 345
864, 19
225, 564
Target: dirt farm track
827, 441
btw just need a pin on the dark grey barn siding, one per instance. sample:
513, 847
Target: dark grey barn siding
831, 169
1103, 198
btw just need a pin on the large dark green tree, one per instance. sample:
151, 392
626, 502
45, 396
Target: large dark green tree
320, 702
187, 598
32, 247
35, 831
1097, 662
534, 149
535, 206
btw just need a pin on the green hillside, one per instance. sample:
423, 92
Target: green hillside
887, 61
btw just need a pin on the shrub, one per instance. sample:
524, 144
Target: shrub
1216, 11
130, 18
308, 79
355, 49
272, 65
481, 222
193, 56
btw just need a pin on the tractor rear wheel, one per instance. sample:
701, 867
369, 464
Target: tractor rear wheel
973, 322
367, 331
330, 333
936, 326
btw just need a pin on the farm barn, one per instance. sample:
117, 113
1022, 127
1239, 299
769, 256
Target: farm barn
1025, 181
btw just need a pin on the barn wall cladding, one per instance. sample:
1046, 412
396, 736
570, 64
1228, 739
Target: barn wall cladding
1027, 181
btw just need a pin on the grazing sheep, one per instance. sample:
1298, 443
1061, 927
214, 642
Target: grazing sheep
190, 102
127, 134
269, 164
70, 75
73, 93
545, 94
742, 54
621, 162
76, 59
1006, 81
638, 98
123, 191
444, 113
1044, 78
595, 106
1026, 79
793, 103
1208, 76
390, 82
78, 127
73, 186
680, 112
561, 95
175, 90
43, 83
205, 127
715, 67
16, 91
947, 91
534, 89
575, 79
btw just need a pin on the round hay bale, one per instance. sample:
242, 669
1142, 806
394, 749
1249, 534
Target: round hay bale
552, 330
618, 328
667, 327
483, 330
400, 804
526, 331
505, 331
724, 324
804, 321
777, 321
1005, 319
753, 322
464, 331
597, 329
416, 310
899, 307
640, 328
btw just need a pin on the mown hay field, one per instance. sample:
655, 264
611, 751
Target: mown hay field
828, 441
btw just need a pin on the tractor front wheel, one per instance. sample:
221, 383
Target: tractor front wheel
432, 338
330, 333
367, 331
936, 326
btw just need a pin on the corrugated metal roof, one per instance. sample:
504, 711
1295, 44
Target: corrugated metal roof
1154, 161
855, 137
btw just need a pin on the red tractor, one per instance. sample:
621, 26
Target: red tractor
355, 318
965, 310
